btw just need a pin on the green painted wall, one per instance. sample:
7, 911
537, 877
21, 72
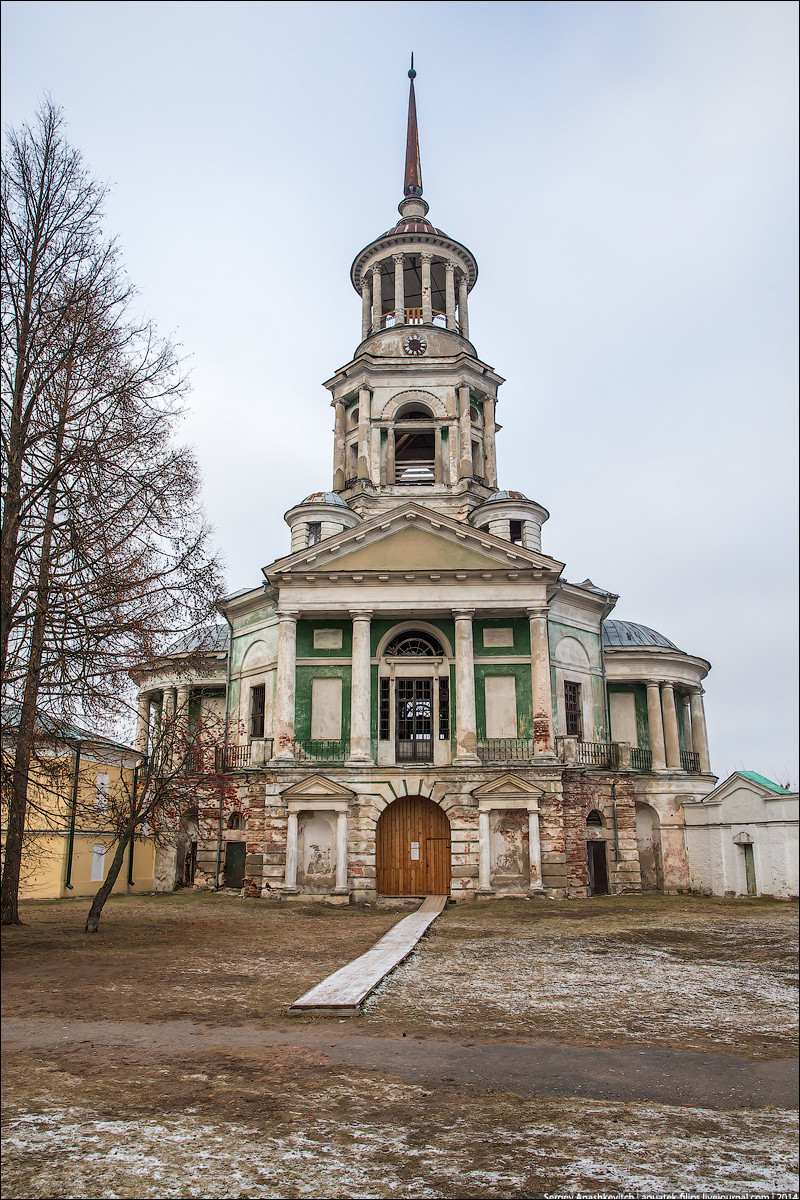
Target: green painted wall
305, 639
304, 678
522, 637
522, 674
590, 641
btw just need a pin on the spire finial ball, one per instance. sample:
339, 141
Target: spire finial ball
412, 74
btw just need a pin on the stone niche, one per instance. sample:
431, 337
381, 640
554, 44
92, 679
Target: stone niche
316, 852
510, 860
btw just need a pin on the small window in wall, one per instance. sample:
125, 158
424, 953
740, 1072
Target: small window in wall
444, 709
235, 821
476, 459
572, 708
98, 862
353, 460
313, 533
101, 792
594, 820
258, 698
384, 709
515, 532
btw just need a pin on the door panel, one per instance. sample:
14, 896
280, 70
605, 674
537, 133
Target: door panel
414, 720
413, 849
235, 853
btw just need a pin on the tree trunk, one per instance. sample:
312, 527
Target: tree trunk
93, 919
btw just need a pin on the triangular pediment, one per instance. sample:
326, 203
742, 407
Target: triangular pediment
412, 538
316, 787
506, 785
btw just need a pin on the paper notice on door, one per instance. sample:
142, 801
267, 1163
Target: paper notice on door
414, 851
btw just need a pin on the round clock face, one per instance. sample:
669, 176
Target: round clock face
415, 344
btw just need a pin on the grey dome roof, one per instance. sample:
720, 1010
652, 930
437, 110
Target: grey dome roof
628, 634
213, 640
503, 495
325, 498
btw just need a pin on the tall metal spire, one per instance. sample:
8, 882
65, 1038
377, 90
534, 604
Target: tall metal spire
413, 177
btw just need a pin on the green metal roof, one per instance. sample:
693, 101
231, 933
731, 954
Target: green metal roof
767, 783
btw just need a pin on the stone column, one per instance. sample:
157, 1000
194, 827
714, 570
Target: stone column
285, 688
366, 308
399, 290
339, 476
466, 727
489, 450
656, 727
534, 850
377, 300
427, 306
182, 715
450, 295
389, 462
438, 472
290, 878
686, 718
142, 741
360, 708
672, 739
341, 854
363, 432
463, 318
484, 853
699, 731
540, 681
464, 435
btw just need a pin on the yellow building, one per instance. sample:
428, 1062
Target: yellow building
75, 778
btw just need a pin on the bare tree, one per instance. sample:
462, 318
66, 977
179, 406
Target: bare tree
104, 552
183, 771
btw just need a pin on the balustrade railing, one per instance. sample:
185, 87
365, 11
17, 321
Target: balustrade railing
598, 754
503, 750
232, 758
690, 762
413, 316
641, 759
316, 750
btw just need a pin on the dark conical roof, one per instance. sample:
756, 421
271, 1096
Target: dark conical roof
628, 634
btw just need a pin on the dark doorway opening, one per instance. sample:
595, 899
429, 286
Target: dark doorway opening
598, 868
235, 853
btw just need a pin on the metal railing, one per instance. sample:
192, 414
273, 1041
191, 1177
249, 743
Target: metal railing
316, 750
690, 762
641, 759
598, 754
232, 758
501, 750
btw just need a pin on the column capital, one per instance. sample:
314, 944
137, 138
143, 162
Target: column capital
450, 268
288, 614
426, 256
398, 258
463, 614
361, 614
365, 285
540, 610
375, 269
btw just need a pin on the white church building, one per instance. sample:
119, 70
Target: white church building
414, 697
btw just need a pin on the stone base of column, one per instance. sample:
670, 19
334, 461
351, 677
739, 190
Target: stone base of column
536, 891
290, 891
285, 756
341, 891
357, 760
485, 891
467, 760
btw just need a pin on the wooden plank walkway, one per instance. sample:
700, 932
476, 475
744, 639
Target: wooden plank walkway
343, 992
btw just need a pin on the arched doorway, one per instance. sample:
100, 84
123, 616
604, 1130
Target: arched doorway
648, 837
413, 849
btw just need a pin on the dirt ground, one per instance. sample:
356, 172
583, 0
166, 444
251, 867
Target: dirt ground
631, 1046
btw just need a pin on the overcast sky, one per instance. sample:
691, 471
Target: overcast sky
624, 173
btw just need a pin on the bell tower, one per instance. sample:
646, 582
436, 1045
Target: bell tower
415, 407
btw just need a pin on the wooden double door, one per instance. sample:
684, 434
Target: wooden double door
413, 849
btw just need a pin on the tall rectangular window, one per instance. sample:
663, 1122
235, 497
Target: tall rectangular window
384, 715
101, 791
98, 862
258, 701
314, 534
444, 708
572, 708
